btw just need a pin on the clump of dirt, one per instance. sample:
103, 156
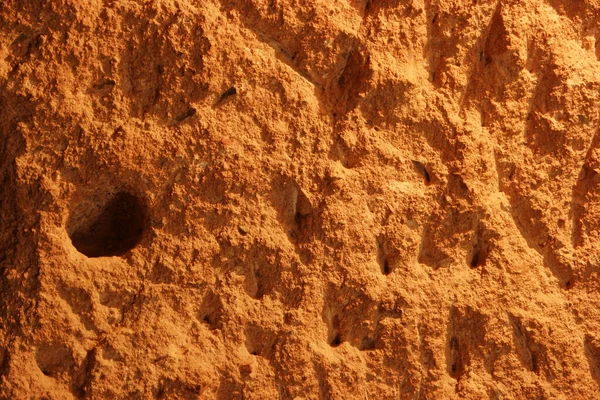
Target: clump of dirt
300, 200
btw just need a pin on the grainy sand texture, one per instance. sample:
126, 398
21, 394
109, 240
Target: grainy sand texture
299, 199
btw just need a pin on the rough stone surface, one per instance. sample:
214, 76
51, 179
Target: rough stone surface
326, 199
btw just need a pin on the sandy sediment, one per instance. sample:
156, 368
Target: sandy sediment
247, 199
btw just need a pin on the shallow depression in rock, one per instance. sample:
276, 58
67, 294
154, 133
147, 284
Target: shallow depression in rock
107, 229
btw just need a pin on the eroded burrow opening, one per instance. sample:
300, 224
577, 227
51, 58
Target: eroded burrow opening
105, 226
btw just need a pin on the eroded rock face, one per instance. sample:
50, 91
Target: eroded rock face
299, 200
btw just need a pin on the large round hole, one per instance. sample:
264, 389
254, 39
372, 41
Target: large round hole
111, 228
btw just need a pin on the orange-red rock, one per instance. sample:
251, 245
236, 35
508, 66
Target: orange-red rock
272, 199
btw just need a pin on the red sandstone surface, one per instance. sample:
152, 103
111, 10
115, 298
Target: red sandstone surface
326, 199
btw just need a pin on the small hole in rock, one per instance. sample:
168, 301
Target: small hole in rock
386, 268
109, 229
474, 259
422, 170
336, 341
568, 284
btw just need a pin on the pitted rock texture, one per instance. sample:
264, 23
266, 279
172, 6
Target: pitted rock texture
252, 199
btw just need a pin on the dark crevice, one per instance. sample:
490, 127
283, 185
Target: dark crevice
422, 170
386, 267
475, 258
383, 257
336, 341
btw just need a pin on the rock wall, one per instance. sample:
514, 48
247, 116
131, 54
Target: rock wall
252, 199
